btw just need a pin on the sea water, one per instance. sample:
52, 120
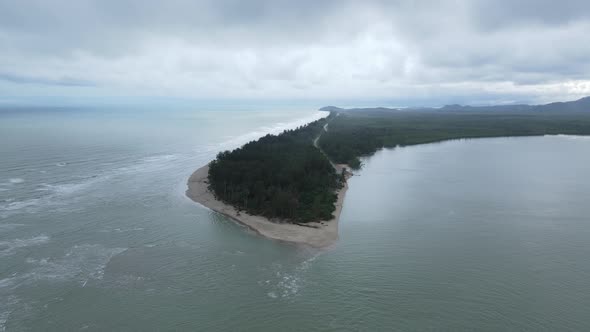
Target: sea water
96, 233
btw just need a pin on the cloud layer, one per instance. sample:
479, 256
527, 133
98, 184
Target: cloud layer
425, 50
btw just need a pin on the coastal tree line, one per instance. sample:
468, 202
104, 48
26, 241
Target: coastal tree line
356, 133
285, 177
280, 177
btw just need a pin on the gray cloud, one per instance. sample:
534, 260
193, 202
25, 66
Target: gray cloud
534, 50
488, 14
62, 81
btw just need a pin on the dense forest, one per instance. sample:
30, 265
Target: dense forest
359, 132
279, 176
286, 177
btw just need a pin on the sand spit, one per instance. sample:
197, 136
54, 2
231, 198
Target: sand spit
324, 235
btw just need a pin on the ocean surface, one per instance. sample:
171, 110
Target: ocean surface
96, 233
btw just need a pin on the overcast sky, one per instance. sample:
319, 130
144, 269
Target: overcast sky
465, 51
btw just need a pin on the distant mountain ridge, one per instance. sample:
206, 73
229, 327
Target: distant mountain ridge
580, 105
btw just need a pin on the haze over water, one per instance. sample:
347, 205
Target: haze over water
96, 233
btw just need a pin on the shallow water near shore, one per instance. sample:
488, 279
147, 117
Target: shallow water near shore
96, 233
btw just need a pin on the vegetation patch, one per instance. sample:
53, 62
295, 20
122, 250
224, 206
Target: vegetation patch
279, 176
361, 132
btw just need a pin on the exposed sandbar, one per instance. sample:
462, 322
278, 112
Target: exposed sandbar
319, 235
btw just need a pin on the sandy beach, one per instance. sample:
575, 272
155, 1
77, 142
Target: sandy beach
324, 235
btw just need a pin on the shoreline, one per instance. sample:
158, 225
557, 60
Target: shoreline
319, 235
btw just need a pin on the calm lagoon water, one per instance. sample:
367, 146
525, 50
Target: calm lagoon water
96, 234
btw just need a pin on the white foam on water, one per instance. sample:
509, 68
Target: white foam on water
7, 306
68, 188
7, 282
9, 247
274, 130
573, 137
81, 263
150, 164
289, 283
61, 195
124, 230
32, 205
10, 207
159, 158
55, 195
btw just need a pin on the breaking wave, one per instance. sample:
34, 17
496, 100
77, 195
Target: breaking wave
62, 194
274, 130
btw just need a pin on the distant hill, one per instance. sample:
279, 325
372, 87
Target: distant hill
580, 105
330, 108
362, 131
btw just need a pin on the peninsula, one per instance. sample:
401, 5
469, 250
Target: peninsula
282, 187
291, 187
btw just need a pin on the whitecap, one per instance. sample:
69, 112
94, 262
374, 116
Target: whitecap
158, 158
149, 164
9, 247
16, 180
62, 164
67, 188
43, 187
274, 130
13, 207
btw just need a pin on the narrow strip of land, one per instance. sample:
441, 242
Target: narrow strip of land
318, 234
291, 187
